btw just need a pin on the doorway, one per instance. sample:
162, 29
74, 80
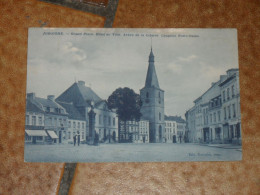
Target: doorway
59, 136
174, 139
160, 133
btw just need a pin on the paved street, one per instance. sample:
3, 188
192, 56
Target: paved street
129, 153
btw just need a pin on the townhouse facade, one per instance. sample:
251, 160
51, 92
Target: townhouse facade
34, 124
215, 116
170, 130
85, 100
230, 92
76, 123
134, 131
175, 129
53, 118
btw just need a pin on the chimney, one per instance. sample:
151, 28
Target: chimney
222, 78
51, 97
30, 96
81, 83
232, 71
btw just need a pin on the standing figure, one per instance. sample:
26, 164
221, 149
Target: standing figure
78, 138
75, 139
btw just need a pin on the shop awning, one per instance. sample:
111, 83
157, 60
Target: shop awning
36, 132
53, 134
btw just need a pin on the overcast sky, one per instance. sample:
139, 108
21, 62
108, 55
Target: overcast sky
185, 66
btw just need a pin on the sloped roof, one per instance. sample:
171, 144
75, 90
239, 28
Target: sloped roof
30, 106
151, 77
72, 111
100, 103
79, 94
227, 80
47, 103
178, 119
88, 94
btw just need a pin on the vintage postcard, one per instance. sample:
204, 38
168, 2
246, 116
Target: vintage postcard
132, 95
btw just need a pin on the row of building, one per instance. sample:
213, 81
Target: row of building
80, 111
215, 116
58, 120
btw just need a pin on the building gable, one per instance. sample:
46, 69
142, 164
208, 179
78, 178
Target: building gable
79, 94
72, 94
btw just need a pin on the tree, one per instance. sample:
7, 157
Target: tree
127, 104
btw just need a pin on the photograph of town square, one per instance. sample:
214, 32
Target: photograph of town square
141, 114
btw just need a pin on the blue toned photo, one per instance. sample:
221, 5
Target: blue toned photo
132, 95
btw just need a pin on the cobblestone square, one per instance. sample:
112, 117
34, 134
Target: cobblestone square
130, 153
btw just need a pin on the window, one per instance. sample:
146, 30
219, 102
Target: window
228, 93
69, 135
69, 124
210, 116
27, 119
159, 116
28, 138
40, 120
224, 96
147, 95
78, 125
82, 135
83, 126
109, 120
74, 124
234, 110
60, 122
114, 121
215, 117
100, 119
40, 138
229, 112
233, 90
33, 120
105, 118
225, 113
218, 116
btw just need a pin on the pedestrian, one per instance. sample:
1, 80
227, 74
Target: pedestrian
78, 138
75, 139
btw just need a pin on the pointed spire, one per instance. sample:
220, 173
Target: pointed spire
151, 56
151, 44
151, 77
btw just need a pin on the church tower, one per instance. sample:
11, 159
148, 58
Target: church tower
153, 103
